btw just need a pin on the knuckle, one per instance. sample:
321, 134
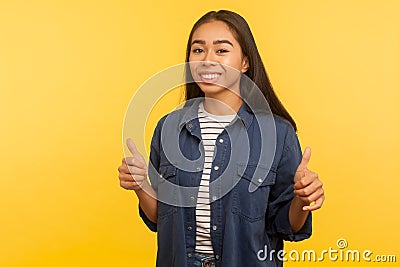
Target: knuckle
141, 164
129, 161
138, 178
305, 191
127, 178
121, 178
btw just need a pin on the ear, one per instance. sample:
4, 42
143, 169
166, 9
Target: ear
245, 64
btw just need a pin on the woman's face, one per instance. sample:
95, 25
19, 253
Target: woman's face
216, 59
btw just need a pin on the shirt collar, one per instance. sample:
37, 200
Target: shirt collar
190, 114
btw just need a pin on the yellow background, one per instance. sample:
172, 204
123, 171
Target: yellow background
68, 70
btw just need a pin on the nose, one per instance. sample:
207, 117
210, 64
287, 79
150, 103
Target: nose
209, 60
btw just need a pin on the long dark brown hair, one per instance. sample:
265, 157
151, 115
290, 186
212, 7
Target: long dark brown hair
256, 71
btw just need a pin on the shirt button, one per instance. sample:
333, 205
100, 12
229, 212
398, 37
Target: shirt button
216, 168
189, 228
190, 125
260, 180
214, 198
217, 257
198, 169
214, 227
221, 140
192, 198
189, 254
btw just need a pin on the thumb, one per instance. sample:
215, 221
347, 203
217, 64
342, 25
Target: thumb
132, 148
305, 159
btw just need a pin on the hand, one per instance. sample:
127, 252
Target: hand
307, 186
133, 171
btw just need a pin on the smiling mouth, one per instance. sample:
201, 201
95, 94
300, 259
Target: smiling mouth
209, 77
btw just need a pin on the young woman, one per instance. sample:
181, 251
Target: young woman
268, 200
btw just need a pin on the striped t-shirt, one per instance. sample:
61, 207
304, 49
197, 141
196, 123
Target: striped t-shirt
211, 126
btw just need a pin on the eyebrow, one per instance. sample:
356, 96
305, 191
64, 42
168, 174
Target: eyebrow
214, 42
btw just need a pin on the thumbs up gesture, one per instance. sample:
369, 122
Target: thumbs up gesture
307, 186
133, 171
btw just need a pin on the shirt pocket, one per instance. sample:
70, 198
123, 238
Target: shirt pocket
166, 193
252, 206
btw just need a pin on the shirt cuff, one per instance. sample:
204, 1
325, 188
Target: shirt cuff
284, 229
151, 225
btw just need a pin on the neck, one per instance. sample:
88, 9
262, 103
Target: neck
227, 103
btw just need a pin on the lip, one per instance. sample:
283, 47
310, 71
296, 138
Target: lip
209, 76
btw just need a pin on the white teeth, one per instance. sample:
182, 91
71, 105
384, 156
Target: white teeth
210, 76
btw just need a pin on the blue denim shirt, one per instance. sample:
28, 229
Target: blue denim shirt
242, 222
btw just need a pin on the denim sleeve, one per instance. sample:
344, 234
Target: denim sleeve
151, 225
281, 194
154, 163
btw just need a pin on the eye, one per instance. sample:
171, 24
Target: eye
197, 50
221, 51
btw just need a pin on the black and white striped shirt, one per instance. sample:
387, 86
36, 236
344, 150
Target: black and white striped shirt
211, 126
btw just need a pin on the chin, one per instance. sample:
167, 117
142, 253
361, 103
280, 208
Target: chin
211, 89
